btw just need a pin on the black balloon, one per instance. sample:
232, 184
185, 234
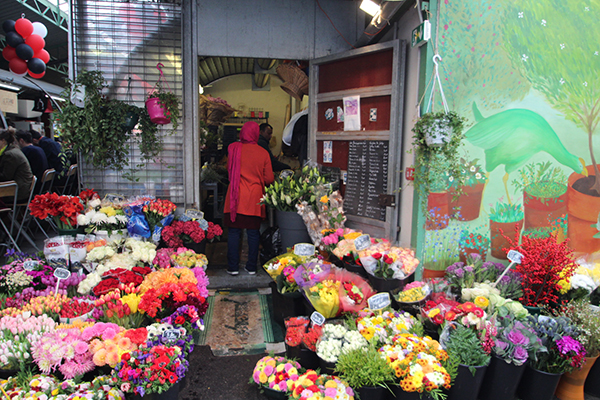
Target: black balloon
14, 39
36, 65
8, 25
24, 51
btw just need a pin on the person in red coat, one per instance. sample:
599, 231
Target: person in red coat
249, 167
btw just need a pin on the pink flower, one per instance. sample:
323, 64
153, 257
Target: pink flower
81, 347
125, 387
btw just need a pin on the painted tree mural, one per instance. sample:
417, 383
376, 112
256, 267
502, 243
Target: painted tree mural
475, 66
555, 44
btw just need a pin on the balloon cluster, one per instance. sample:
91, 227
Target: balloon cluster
25, 47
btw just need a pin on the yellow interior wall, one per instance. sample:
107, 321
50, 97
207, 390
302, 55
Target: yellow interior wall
237, 91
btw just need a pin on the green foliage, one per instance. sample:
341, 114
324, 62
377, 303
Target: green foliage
505, 212
541, 180
441, 247
285, 193
436, 166
170, 103
587, 320
464, 345
475, 66
98, 129
364, 367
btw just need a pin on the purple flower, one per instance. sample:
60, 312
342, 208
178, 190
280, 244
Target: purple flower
520, 355
469, 269
459, 273
501, 345
516, 337
567, 344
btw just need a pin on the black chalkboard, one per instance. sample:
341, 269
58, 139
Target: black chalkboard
367, 178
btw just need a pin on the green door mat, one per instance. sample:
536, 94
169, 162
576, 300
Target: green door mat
237, 323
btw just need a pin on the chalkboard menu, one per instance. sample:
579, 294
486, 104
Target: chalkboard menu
367, 178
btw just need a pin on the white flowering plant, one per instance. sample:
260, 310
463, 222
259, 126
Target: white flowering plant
108, 218
471, 174
286, 192
338, 339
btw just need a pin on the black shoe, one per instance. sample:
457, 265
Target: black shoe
233, 273
250, 272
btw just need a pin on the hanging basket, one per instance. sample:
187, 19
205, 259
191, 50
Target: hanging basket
131, 120
295, 80
156, 111
438, 133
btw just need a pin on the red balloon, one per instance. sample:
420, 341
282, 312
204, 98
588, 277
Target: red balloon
9, 53
36, 42
24, 27
36, 76
17, 66
42, 55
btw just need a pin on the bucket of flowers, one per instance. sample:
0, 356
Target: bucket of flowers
301, 336
63, 210
311, 385
275, 376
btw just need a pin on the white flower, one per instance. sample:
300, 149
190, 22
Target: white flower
585, 84
81, 220
451, 179
478, 176
94, 203
472, 169
543, 22
595, 53
584, 282
524, 57
99, 218
562, 46
586, 9
562, 81
521, 14
112, 220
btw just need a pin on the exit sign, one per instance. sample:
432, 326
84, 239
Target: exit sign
421, 34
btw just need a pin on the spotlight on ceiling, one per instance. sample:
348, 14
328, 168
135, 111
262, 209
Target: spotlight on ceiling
370, 7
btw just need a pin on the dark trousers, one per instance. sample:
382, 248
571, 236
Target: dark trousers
233, 248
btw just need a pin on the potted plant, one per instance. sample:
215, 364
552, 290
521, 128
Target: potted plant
441, 250
467, 205
366, 372
464, 346
63, 210
437, 139
561, 352
544, 194
504, 217
99, 129
473, 241
274, 376
163, 107
587, 319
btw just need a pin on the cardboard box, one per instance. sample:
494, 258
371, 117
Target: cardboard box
8, 102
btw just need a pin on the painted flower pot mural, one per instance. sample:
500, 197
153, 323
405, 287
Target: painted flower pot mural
465, 204
503, 219
438, 208
583, 206
473, 240
441, 249
544, 194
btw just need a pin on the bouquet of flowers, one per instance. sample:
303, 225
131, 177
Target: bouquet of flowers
311, 385
188, 259
122, 307
434, 311
337, 339
300, 331
413, 292
384, 326
324, 296
109, 351
560, 352
587, 319
106, 218
87, 195
285, 193
467, 314
277, 373
180, 233
488, 298
149, 370
345, 249
185, 340
354, 291
311, 272
327, 216
65, 349
285, 281
393, 263
43, 386
276, 265
63, 209
515, 339
158, 213
420, 363
185, 316
18, 335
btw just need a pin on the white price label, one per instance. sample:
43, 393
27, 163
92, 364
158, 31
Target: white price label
194, 214
30, 265
379, 301
514, 256
304, 249
317, 318
62, 273
362, 242
286, 173
171, 335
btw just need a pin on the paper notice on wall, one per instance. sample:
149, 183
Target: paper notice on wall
327, 151
352, 113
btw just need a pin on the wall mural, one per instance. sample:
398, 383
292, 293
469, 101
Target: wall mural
525, 75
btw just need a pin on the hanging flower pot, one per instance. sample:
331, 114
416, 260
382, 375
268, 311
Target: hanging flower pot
156, 111
131, 120
438, 132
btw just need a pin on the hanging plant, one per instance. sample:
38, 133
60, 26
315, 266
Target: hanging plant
438, 164
99, 129
163, 105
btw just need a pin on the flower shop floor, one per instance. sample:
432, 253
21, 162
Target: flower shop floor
221, 370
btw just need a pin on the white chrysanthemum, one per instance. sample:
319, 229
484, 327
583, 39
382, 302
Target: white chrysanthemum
82, 220
112, 220
99, 218
95, 203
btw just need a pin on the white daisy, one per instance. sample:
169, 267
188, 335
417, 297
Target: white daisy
585, 84
524, 57
562, 81
521, 15
562, 46
473, 169
543, 22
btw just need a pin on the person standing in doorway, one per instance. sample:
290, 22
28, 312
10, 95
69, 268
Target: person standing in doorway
266, 132
250, 171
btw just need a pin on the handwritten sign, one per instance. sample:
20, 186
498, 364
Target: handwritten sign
317, 318
379, 301
171, 335
304, 249
194, 214
362, 242
515, 256
30, 265
60, 273
113, 197
286, 173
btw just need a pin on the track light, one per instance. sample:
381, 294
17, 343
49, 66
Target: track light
370, 7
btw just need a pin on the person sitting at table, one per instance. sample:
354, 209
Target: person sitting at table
14, 164
35, 155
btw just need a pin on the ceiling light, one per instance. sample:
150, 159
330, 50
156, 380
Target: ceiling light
9, 86
370, 7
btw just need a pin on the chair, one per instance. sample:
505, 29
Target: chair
26, 215
71, 179
9, 189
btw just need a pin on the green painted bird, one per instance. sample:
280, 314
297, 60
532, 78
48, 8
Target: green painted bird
512, 137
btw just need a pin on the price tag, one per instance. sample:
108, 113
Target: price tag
112, 197
304, 249
514, 256
30, 265
89, 267
317, 318
194, 214
362, 242
171, 335
60, 273
379, 301
80, 237
286, 173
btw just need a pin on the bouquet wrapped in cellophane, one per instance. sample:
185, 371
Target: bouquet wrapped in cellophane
274, 267
312, 272
389, 262
324, 296
354, 290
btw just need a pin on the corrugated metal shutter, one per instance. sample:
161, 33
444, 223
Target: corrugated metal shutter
126, 40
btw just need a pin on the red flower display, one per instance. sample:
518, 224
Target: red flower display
64, 209
180, 232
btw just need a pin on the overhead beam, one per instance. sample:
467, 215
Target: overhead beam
51, 12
